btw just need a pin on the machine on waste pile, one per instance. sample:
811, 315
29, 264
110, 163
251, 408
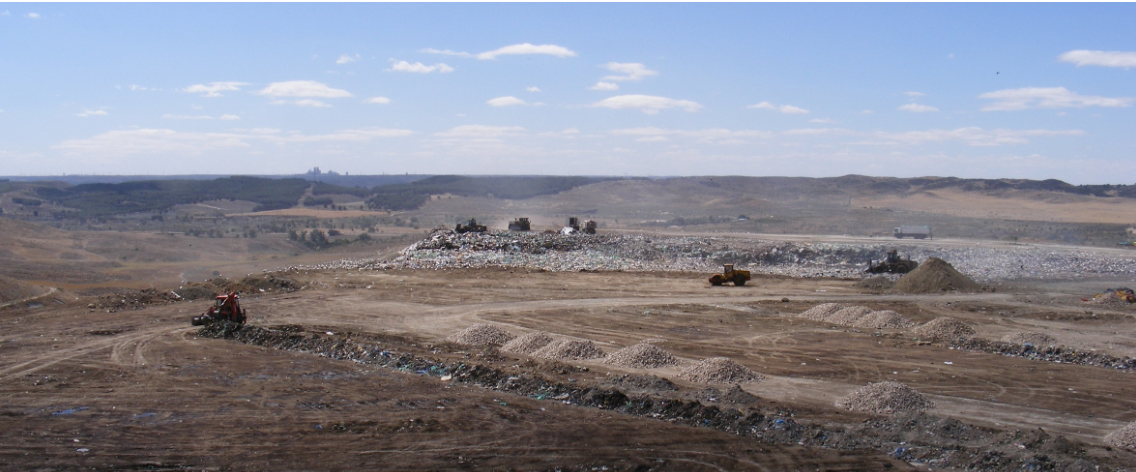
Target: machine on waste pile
520, 224
729, 274
892, 264
573, 226
472, 227
226, 308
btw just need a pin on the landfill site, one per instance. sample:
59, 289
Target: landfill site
614, 348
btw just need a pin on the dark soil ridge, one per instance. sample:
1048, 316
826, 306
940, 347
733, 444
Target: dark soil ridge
1058, 354
916, 437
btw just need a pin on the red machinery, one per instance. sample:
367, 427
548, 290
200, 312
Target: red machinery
228, 307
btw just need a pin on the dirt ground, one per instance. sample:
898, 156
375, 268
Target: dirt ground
141, 389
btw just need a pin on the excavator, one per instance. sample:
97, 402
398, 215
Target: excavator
227, 308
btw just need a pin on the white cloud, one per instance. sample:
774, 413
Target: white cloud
817, 132
445, 52
1083, 57
646, 103
973, 136
302, 88
214, 89
378, 100
915, 94
822, 120
346, 58
505, 101
710, 135
87, 113
532, 89
311, 102
139, 88
34, 16
186, 117
6, 13
480, 132
230, 117
604, 86
418, 67
526, 48
917, 108
1047, 97
786, 109
156, 141
631, 71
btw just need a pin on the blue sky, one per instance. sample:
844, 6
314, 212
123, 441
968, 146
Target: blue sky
969, 90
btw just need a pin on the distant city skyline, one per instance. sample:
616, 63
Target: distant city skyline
1033, 91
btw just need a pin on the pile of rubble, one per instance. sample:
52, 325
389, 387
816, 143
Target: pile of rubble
821, 312
570, 350
944, 329
933, 276
132, 300
481, 335
1057, 354
1124, 438
1031, 338
719, 370
446, 249
856, 316
847, 316
885, 398
642, 356
527, 343
883, 319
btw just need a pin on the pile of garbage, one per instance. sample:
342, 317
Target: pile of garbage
719, 370
1113, 297
642, 356
1057, 354
481, 335
210, 288
944, 329
1031, 338
133, 300
445, 249
885, 398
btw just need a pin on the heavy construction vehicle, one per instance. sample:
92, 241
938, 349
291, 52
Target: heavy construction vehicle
917, 232
729, 274
471, 227
520, 224
590, 227
572, 226
892, 264
226, 308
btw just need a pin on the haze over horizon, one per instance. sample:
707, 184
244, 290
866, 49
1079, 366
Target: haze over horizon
1034, 91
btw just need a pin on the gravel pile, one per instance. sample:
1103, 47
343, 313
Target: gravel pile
481, 335
933, 276
569, 350
883, 319
527, 343
641, 356
1034, 339
821, 312
878, 283
1124, 438
944, 329
885, 398
719, 370
848, 316
638, 252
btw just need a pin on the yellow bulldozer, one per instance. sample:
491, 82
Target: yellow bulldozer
729, 274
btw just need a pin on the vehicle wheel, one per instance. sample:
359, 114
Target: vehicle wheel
739, 280
717, 280
196, 321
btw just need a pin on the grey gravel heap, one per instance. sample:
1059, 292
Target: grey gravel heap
885, 398
570, 350
944, 329
883, 319
527, 343
642, 356
1124, 438
481, 335
719, 370
821, 312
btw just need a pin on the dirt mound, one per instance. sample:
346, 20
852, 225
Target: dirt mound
822, 311
944, 329
642, 356
481, 335
10, 290
1031, 338
133, 300
878, 283
527, 343
1124, 438
719, 370
248, 285
848, 315
883, 319
570, 350
935, 275
885, 398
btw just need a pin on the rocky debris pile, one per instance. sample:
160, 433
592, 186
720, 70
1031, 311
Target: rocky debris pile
883, 319
884, 398
481, 335
644, 383
821, 312
446, 249
1058, 354
848, 316
248, 285
944, 329
1117, 297
933, 276
1123, 438
719, 370
1031, 338
527, 343
642, 356
877, 284
735, 395
133, 300
570, 350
